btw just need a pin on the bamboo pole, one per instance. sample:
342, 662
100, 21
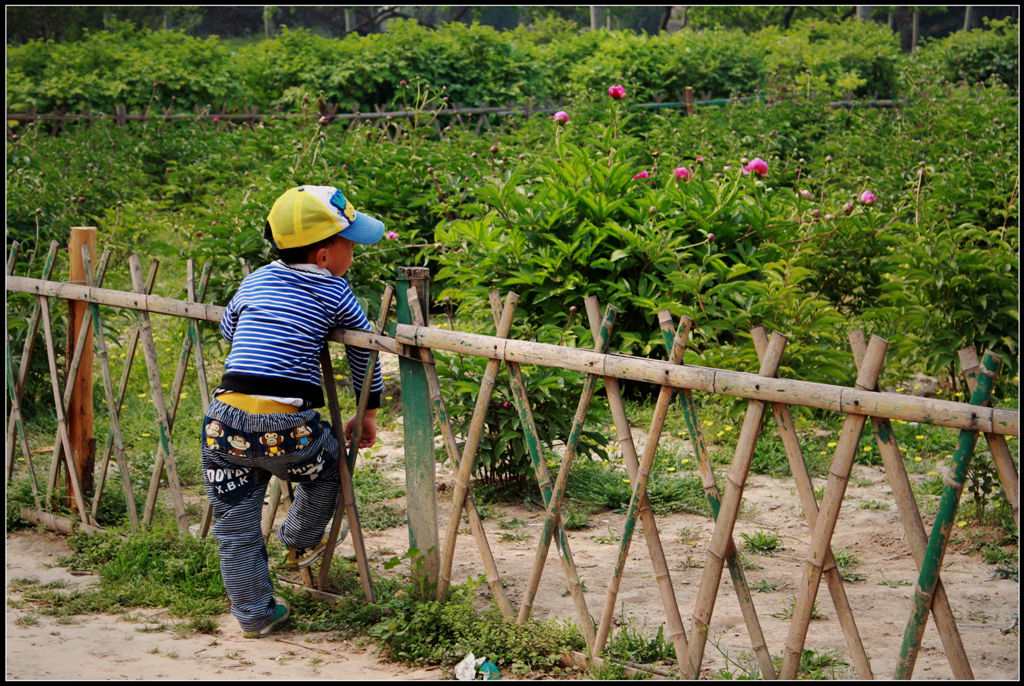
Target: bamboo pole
952, 488
452, 448
16, 415
162, 418
824, 526
676, 632
639, 494
347, 495
26, 351
1001, 421
337, 533
729, 510
20, 426
122, 388
62, 427
917, 539
743, 595
532, 440
192, 333
476, 428
805, 490
274, 502
553, 512
108, 388
1007, 470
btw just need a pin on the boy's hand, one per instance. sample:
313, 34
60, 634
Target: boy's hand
368, 432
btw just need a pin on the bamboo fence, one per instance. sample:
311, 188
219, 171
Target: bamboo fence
766, 396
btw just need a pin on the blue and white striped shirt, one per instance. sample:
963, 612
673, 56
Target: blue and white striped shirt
277, 323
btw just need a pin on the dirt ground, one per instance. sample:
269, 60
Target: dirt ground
986, 607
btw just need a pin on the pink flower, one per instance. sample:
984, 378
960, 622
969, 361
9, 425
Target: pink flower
848, 207
683, 173
561, 117
806, 195
216, 119
392, 235
756, 165
868, 198
641, 175
617, 92
700, 158
506, 404
324, 119
815, 213
829, 217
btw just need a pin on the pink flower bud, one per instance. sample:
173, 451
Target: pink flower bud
324, 119
617, 92
829, 217
806, 195
756, 165
868, 198
683, 173
641, 175
815, 213
711, 238
700, 158
392, 235
561, 117
848, 207
216, 119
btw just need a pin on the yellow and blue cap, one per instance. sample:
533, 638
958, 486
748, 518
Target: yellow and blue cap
306, 214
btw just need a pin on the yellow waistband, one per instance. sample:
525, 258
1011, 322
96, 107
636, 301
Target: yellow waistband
255, 405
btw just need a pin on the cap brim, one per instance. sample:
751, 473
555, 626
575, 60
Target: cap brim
364, 229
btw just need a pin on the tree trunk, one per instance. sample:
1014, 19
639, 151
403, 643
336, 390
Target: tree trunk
596, 17
967, 18
268, 21
864, 12
915, 30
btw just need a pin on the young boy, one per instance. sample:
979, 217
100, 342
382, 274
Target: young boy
262, 420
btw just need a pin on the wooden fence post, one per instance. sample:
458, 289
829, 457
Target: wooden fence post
80, 414
418, 432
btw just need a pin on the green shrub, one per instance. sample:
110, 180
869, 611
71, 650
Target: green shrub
975, 55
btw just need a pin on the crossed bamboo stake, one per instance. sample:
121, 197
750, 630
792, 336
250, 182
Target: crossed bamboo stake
721, 540
115, 409
163, 419
532, 439
824, 526
711, 493
451, 447
115, 437
16, 387
465, 468
676, 632
552, 513
953, 484
805, 490
899, 483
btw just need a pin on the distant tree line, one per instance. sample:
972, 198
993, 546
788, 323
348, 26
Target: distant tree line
68, 23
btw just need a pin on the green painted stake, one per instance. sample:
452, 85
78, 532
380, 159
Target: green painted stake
951, 490
419, 438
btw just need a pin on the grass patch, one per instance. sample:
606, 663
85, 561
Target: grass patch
762, 542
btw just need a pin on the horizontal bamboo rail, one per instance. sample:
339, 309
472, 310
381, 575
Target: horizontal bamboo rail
845, 400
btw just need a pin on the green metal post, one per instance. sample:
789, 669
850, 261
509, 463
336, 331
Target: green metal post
951, 490
419, 436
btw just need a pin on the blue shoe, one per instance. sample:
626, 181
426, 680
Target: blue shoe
281, 613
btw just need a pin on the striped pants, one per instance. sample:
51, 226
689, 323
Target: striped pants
240, 453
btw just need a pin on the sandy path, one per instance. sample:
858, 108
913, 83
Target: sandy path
986, 607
